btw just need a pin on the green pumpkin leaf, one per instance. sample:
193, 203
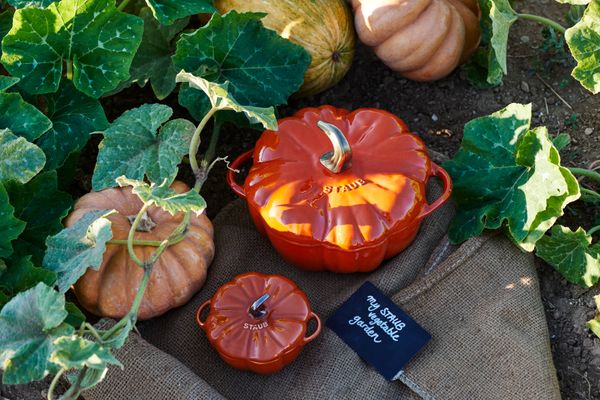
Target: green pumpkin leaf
561, 141
74, 116
75, 317
19, 160
98, 39
30, 3
92, 378
572, 254
4, 298
502, 16
22, 118
42, 206
164, 197
483, 70
10, 227
79, 247
262, 68
574, 2
75, 352
487, 66
29, 324
221, 99
6, 82
118, 338
506, 174
584, 42
22, 274
153, 61
594, 324
168, 11
134, 147
6, 19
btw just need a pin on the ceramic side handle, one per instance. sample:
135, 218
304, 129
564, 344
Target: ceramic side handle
447, 181
236, 164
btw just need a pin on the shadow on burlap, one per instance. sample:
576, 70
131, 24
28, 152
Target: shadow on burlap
481, 304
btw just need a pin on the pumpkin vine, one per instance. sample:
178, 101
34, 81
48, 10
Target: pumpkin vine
141, 152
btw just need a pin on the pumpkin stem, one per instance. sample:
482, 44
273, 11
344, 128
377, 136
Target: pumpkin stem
593, 230
146, 223
336, 56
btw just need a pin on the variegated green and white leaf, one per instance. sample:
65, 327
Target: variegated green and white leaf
79, 247
508, 174
220, 98
572, 254
164, 197
594, 324
584, 42
75, 352
29, 324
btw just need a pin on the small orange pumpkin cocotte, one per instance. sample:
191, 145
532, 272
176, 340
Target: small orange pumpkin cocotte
423, 40
177, 275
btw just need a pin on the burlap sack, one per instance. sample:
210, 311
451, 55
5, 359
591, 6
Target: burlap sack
481, 305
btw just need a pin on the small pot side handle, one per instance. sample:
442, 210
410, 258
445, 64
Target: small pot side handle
200, 309
447, 181
317, 330
231, 173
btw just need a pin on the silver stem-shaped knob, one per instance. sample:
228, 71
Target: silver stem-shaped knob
341, 157
257, 309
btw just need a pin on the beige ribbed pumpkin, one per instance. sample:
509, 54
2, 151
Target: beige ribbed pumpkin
423, 40
323, 27
177, 275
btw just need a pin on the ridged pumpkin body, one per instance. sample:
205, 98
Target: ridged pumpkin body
346, 221
263, 344
323, 27
176, 276
424, 40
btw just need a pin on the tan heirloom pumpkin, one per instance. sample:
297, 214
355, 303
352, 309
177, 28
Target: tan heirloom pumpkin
424, 40
323, 27
177, 275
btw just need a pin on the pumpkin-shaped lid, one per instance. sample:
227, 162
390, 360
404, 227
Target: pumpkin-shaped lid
258, 318
342, 178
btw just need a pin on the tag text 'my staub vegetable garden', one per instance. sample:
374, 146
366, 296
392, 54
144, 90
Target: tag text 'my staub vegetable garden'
60, 57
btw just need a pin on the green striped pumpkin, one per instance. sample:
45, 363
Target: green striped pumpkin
323, 27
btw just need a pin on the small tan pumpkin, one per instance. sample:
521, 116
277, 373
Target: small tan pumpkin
176, 276
322, 27
423, 40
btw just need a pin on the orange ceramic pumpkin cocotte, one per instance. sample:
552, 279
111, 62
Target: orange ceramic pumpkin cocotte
259, 322
423, 40
337, 190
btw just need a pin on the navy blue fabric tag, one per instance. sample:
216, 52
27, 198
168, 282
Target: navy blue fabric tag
378, 330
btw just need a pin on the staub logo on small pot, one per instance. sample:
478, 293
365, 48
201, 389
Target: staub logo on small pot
256, 327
